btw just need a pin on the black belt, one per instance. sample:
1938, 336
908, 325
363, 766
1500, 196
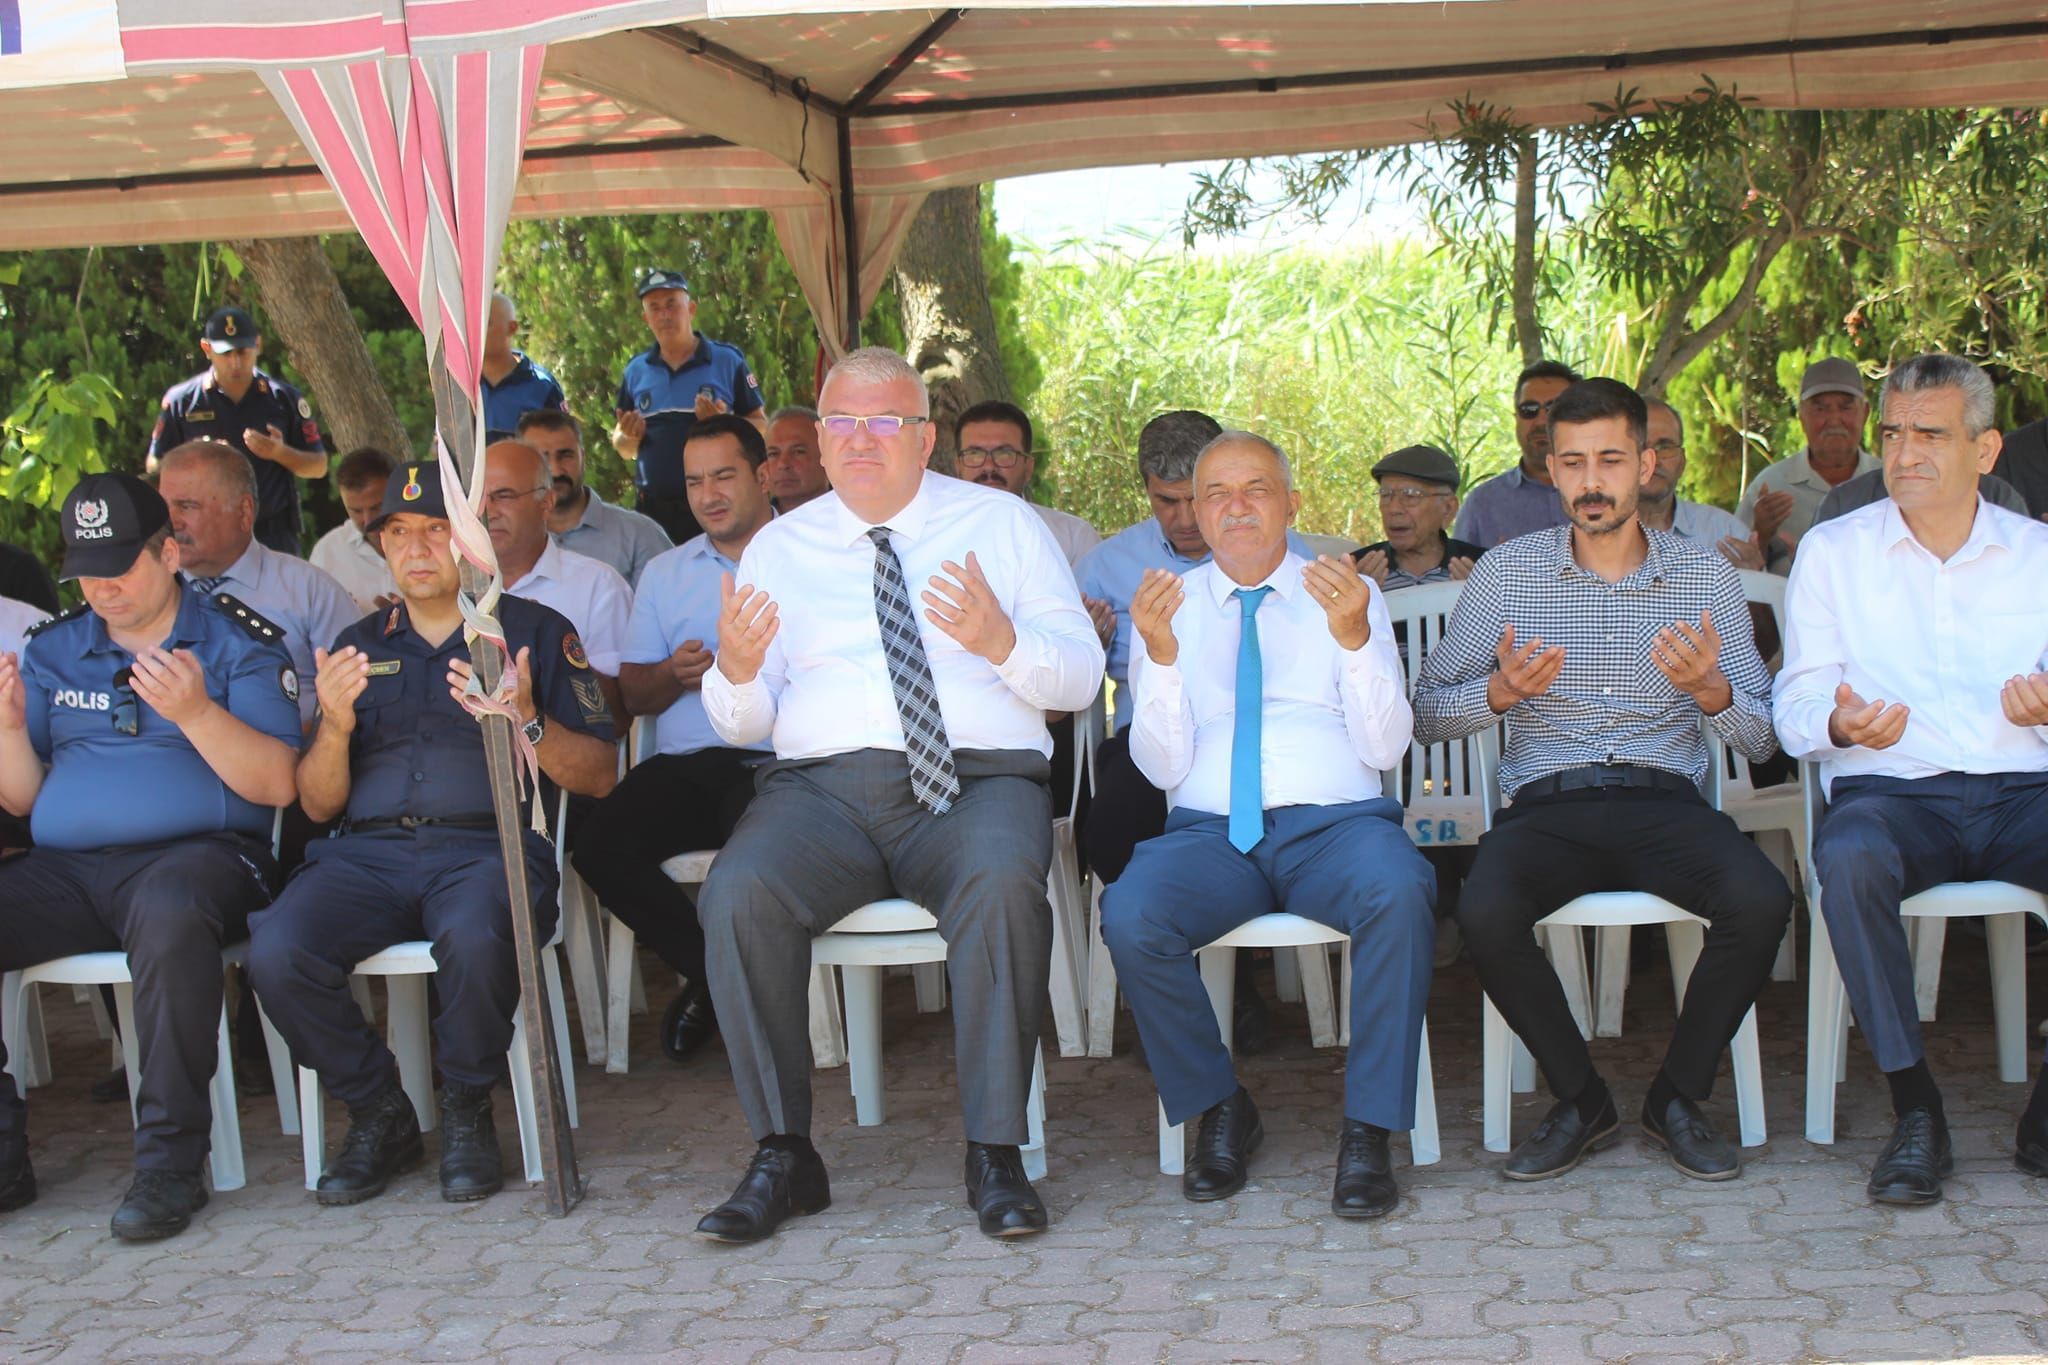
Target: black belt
410, 822
1606, 775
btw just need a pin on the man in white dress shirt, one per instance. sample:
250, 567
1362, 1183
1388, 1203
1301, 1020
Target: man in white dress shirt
345, 553
901, 638
591, 593
1917, 639
1269, 699
992, 446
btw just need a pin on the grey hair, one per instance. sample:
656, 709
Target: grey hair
880, 365
511, 308
1676, 416
793, 410
1248, 438
1939, 370
230, 467
1170, 443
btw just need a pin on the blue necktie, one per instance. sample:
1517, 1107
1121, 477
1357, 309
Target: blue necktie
1247, 809
206, 587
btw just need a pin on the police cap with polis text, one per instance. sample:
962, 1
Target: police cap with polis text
106, 521
1426, 463
231, 329
661, 277
414, 488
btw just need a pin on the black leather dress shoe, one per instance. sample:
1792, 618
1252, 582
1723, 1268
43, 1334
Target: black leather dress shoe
1004, 1203
777, 1185
1229, 1133
2030, 1149
471, 1166
383, 1140
1914, 1160
159, 1204
688, 1023
111, 1088
1694, 1147
1561, 1141
1365, 1173
17, 1177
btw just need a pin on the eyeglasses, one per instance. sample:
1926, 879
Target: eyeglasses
1411, 496
127, 710
1664, 448
1529, 408
505, 497
881, 426
1002, 457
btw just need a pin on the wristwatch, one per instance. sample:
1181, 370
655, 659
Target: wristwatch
535, 728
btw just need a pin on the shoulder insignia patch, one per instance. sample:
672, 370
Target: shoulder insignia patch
305, 408
39, 627
288, 683
248, 618
391, 622
572, 650
590, 697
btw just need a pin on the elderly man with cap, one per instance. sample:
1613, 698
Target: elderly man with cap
666, 388
578, 518
263, 417
147, 735
1783, 499
418, 859
1418, 494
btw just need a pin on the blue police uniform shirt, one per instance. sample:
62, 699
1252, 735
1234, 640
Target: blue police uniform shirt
527, 388
678, 600
197, 410
668, 400
414, 750
106, 789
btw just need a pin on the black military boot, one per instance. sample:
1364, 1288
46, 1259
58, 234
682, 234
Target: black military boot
383, 1140
470, 1165
17, 1177
159, 1204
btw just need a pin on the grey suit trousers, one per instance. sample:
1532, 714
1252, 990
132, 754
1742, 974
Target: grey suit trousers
824, 837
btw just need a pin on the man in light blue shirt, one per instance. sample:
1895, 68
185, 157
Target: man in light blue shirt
1522, 499
689, 794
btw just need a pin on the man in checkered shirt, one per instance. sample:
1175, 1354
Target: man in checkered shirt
1603, 644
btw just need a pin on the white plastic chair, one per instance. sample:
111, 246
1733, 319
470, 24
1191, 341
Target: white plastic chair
1440, 784
1502, 1053
897, 933
2005, 908
1219, 976
1066, 894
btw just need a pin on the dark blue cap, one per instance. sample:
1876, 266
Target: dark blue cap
661, 278
414, 488
106, 520
231, 329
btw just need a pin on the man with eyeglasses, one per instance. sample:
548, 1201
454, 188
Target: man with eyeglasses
1522, 499
148, 736
398, 755
1661, 508
666, 388
1418, 496
590, 593
792, 472
901, 640
992, 447
578, 518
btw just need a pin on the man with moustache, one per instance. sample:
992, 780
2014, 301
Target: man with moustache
691, 792
1270, 698
578, 518
1603, 763
792, 472
1418, 496
911, 757
1662, 509
1521, 499
345, 553
992, 446
1783, 499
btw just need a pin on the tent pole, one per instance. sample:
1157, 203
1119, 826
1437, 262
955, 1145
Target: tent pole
848, 234
456, 420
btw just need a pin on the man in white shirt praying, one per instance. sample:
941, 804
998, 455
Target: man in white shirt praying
1917, 638
1269, 699
901, 639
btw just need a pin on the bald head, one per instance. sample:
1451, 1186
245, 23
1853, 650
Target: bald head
516, 496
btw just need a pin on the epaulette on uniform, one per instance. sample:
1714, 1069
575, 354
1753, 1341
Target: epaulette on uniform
248, 618
39, 627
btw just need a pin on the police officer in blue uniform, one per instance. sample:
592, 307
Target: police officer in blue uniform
513, 383
418, 856
263, 417
666, 388
148, 736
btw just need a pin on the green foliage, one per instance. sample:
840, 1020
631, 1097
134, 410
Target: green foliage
49, 441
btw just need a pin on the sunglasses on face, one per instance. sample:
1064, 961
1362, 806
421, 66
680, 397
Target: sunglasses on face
1529, 408
127, 708
880, 427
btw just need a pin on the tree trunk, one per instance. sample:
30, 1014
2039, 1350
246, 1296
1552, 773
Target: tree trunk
1528, 329
949, 330
311, 317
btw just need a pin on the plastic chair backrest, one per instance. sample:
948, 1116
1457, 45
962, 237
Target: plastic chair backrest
1438, 784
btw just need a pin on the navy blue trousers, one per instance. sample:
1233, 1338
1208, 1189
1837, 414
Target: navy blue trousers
1885, 839
359, 894
1350, 867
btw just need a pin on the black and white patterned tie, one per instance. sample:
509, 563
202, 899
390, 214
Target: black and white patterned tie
933, 779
